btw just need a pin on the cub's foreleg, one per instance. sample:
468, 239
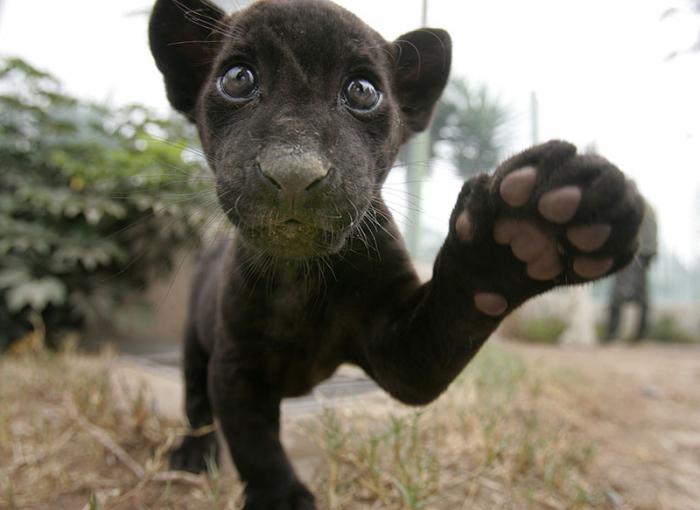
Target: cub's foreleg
546, 217
199, 448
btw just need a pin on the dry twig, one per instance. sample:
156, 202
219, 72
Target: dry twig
103, 438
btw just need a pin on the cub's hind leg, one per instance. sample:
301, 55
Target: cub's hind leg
199, 448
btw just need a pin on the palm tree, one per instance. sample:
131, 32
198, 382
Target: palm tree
675, 11
468, 127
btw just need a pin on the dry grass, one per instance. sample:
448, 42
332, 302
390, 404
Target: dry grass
497, 439
493, 441
66, 442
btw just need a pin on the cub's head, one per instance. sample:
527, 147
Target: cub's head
301, 109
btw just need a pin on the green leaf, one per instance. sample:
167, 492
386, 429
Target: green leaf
36, 294
13, 277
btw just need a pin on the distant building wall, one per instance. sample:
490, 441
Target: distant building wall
154, 317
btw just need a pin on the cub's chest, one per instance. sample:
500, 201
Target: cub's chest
291, 341
288, 314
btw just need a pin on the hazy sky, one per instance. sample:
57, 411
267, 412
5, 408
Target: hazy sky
598, 67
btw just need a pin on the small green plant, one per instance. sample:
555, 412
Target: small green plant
542, 331
93, 202
93, 502
666, 329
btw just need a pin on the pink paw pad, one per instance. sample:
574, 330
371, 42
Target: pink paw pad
545, 268
560, 205
591, 268
529, 242
490, 303
589, 238
516, 188
532, 246
464, 227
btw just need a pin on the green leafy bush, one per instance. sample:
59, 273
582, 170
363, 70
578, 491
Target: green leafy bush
666, 329
542, 330
94, 202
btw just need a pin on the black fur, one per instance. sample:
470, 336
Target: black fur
318, 275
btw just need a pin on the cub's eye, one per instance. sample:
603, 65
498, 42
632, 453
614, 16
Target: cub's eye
361, 95
239, 83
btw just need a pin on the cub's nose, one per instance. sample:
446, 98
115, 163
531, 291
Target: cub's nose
292, 173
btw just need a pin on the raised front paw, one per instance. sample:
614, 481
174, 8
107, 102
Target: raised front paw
546, 217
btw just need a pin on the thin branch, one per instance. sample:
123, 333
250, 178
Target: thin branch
103, 438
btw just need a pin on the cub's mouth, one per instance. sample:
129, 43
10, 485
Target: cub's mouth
295, 239
292, 203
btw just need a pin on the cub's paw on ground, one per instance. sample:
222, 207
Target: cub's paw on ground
196, 453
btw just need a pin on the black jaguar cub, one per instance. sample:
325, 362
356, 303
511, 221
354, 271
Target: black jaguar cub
301, 109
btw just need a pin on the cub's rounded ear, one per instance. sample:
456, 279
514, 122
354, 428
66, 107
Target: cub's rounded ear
422, 60
185, 36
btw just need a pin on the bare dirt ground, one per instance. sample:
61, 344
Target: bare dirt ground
640, 405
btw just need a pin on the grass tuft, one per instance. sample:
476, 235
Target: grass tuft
491, 441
